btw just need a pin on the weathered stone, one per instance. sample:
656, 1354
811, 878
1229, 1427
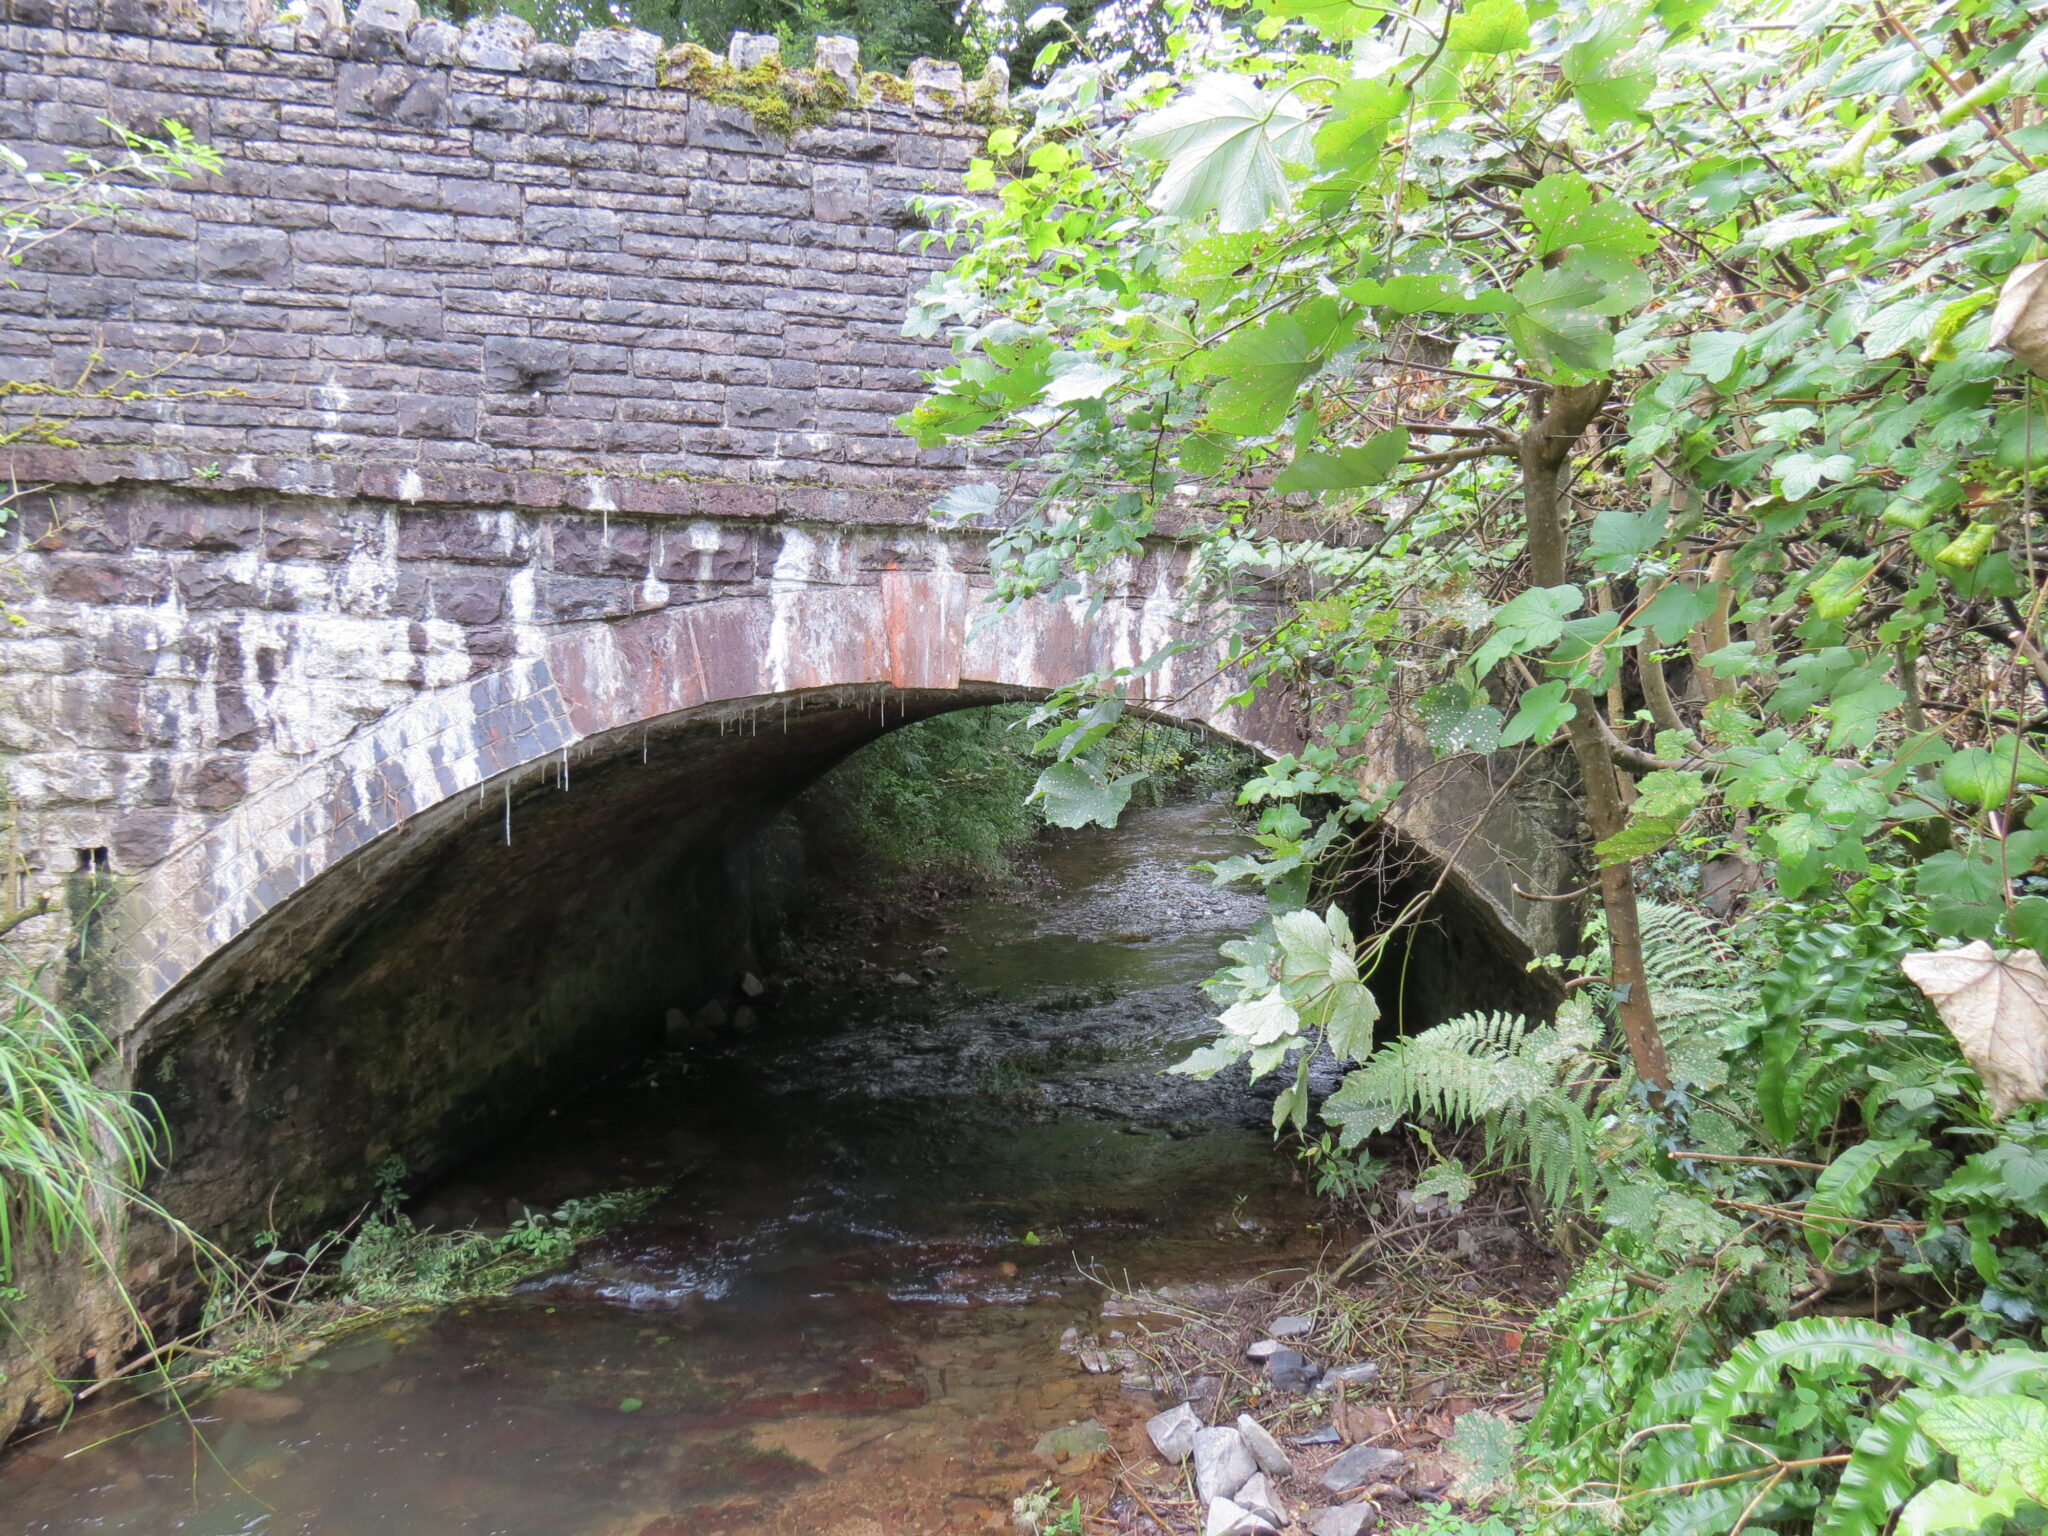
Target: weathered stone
937, 85
1223, 1462
392, 93
1264, 1448
1257, 1497
1290, 1370
1360, 1374
550, 61
1363, 1464
1173, 1432
1291, 1327
1226, 1518
433, 42
250, 256
990, 90
838, 57
236, 21
617, 56
750, 50
525, 364
385, 21
1263, 1349
499, 42
1345, 1519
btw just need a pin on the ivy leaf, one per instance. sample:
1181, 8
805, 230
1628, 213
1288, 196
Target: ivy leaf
1368, 464
1075, 795
1564, 212
1489, 26
1224, 144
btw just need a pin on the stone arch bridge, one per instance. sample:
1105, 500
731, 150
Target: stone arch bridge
446, 533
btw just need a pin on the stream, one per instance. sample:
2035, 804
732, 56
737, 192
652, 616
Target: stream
884, 1205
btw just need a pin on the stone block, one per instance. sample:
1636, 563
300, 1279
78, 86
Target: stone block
525, 365
432, 43
498, 42
398, 317
236, 21
839, 57
572, 228
261, 256
750, 50
991, 88
436, 416
937, 85
550, 61
385, 22
392, 93
616, 56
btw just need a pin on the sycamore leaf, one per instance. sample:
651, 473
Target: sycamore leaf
1490, 26
1564, 212
1261, 1021
1258, 368
1345, 468
1224, 144
1997, 1008
1074, 796
1440, 293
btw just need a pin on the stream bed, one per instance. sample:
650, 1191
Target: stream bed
886, 1203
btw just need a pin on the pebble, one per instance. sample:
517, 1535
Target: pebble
1223, 1463
1263, 1349
1291, 1371
1348, 1520
1173, 1432
1360, 1465
1291, 1327
904, 979
1264, 1448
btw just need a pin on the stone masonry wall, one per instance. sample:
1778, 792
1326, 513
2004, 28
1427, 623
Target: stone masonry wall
480, 275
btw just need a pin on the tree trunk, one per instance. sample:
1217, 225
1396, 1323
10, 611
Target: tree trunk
1543, 451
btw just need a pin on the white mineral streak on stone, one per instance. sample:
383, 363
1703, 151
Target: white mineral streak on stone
786, 600
598, 496
410, 486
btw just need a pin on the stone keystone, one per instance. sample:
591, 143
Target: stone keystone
839, 57
936, 85
385, 21
496, 42
750, 50
617, 56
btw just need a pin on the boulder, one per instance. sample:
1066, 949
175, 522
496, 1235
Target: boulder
1173, 1432
1360, 1465
1264, 1448
1223, 1463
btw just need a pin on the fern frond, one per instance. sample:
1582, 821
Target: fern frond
1820, 1343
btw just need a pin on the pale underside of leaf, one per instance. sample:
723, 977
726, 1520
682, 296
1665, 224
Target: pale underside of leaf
1997, 1009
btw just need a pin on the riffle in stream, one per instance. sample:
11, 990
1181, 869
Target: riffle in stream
845, 1315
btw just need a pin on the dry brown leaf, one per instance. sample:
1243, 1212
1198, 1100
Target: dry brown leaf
1998, 1011
2019, 324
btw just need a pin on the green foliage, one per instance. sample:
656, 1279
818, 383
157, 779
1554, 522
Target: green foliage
73, 1153
36, 206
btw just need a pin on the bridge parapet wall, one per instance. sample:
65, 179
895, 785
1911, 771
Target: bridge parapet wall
466, 272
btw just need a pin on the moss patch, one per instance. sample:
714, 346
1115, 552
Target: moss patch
780, 100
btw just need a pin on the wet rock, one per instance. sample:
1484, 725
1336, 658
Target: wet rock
1347, 1520
1223, 1463
1257, 1497
1291, 1371
935, 953
904, 979
247, 1405
1228, 1519
1291, 1327
1173, 1432
1326, 1435
1072, 1441
744, 1019
752, 985
1264, 1448
1360, 1465
1357, 1375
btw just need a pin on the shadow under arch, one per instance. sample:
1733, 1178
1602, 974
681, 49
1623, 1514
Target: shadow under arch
490, 954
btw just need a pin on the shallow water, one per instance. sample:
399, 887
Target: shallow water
845, 1314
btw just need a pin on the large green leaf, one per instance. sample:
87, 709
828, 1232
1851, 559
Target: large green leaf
1259, 368
1354, 127
1564, 212
1224, 144
1561, 327
1075, 795
1609, 79
1489, 26
1995, 1439
1440, 293
1346, 468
